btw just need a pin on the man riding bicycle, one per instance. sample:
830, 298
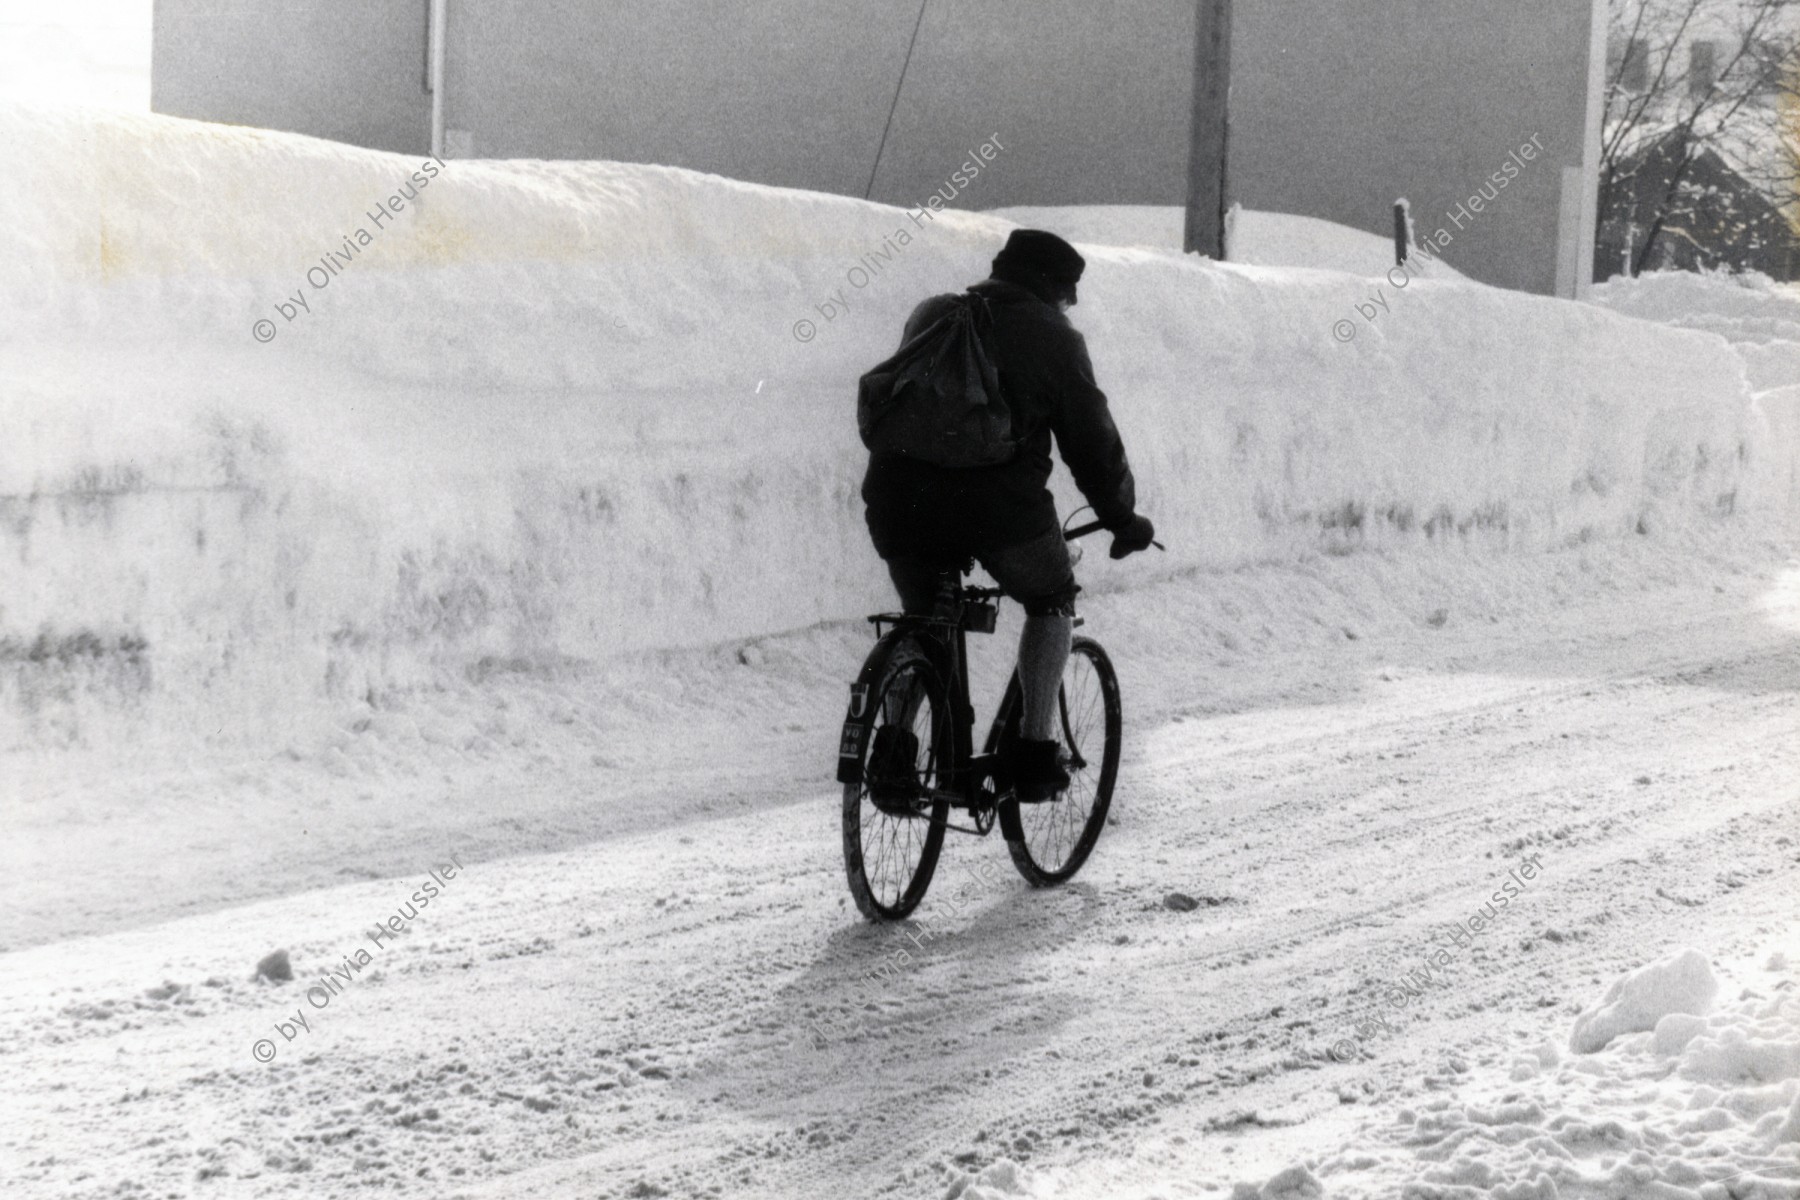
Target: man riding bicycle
926, 518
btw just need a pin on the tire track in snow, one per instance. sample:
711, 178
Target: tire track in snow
658, 979
1605, 695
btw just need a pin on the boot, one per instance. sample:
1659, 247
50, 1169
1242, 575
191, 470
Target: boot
1035, 768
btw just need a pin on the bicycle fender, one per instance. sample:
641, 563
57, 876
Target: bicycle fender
859, 717
855, 734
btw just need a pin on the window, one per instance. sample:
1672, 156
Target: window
1703, 69
1633, 67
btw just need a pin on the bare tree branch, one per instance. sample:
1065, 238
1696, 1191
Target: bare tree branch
1742, 112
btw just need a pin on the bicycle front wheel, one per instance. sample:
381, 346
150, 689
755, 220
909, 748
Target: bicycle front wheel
894, 817
1049, 841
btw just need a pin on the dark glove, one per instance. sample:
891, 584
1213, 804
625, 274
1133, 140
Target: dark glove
1134, 535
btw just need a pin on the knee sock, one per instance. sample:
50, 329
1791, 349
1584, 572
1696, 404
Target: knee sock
1043, 651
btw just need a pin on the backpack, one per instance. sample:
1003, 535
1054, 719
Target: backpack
938, 398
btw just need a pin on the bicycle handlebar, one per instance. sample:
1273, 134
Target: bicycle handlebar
1079, 531
966, 592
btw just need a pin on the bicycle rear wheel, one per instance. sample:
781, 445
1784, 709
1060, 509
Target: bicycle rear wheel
894, 817
1050, 841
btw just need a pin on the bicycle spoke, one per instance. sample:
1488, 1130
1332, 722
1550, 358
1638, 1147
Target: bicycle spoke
1058, 833
896, 804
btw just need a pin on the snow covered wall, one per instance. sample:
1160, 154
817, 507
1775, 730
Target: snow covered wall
1761, 320
279, 434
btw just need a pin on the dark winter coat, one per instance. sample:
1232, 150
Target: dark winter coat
917, 509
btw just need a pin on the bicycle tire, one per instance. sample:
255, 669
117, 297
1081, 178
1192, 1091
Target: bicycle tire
892, 841
1050, 841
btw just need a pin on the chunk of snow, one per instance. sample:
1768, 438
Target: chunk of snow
1682, 983
1789, 1129
1002, 1179
1675, 1031
1290, 1183
1733, 1055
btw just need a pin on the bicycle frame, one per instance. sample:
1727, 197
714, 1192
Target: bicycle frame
960, 610
920, 660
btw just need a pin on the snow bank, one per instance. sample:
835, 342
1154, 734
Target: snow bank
532, 411
1760, 317
1156, 226
1262, 239
1751, 305
1761, 320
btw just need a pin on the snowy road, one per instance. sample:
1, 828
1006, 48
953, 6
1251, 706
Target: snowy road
1333, 781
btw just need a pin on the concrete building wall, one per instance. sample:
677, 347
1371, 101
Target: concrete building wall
1089, 99
349, 70
1337, 108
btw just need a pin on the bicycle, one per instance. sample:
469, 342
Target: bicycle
906, 754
